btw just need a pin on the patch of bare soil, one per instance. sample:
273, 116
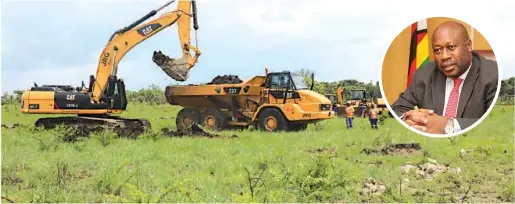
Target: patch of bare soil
372, 187
226, 79
12, 126
325, 150
194, 131
394, 149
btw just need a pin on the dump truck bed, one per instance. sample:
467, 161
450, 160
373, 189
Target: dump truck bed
214, 95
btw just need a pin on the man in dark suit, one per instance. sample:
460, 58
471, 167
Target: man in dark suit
452, 92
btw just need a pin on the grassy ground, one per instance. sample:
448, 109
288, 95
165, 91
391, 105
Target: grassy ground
323, 164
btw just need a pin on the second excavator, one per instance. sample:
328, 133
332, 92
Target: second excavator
94, 106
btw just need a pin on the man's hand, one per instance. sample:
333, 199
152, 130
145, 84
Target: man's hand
417, 118
426, 120
436, 124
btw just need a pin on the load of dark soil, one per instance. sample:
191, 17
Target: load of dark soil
226, 79
393, 149
194, 131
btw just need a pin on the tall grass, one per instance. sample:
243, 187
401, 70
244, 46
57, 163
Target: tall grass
323, 164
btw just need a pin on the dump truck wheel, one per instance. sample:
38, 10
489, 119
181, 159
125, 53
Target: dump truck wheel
186, 117
272, 120
214, 119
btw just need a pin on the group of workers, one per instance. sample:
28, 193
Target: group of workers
372, 114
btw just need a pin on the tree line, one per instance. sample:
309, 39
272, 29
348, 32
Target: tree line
154, 95
372, 88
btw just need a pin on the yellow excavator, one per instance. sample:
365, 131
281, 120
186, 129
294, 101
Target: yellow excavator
338, 102
94, 106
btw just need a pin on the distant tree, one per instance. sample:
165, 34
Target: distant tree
507, 87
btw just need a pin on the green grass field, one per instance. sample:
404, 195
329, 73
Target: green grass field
323, 164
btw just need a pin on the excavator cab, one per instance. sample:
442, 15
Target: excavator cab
115, 95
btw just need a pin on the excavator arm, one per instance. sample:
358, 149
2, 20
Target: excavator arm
339, 93
122, 41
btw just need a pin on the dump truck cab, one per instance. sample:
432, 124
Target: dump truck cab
287, 103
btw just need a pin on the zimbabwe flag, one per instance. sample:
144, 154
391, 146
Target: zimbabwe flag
419, 48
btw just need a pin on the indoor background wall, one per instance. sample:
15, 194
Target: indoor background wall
396, 61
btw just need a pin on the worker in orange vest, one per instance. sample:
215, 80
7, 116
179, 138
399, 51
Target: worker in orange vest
373, 116
349, 115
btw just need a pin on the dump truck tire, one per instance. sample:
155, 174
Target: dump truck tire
272, 120
214, 119
186, 117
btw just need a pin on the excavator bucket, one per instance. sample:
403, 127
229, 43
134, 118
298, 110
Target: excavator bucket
176, 68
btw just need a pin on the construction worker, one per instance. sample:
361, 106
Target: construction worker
363, 110
372, 115
349, 115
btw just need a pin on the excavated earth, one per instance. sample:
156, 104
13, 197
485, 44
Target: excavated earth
226, 79
372, 187
194, 131
393, 149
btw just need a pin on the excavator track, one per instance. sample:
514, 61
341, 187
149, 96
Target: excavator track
123, 127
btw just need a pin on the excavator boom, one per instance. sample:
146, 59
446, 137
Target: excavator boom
123, 40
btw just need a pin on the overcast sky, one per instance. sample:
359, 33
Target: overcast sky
59, 42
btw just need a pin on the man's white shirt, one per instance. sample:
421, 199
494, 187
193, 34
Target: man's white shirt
449, 85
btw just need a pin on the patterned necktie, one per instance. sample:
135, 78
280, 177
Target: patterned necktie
452, 104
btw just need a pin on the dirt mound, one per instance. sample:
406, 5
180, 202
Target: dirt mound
73, 133
226, 79
428, 170
394, 149
194, 131
372, 187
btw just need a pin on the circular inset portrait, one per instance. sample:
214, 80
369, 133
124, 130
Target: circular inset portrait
440, 77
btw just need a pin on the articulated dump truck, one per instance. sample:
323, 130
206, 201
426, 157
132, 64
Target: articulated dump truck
278, 101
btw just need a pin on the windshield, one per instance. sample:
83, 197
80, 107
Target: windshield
357, 95
298, 80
